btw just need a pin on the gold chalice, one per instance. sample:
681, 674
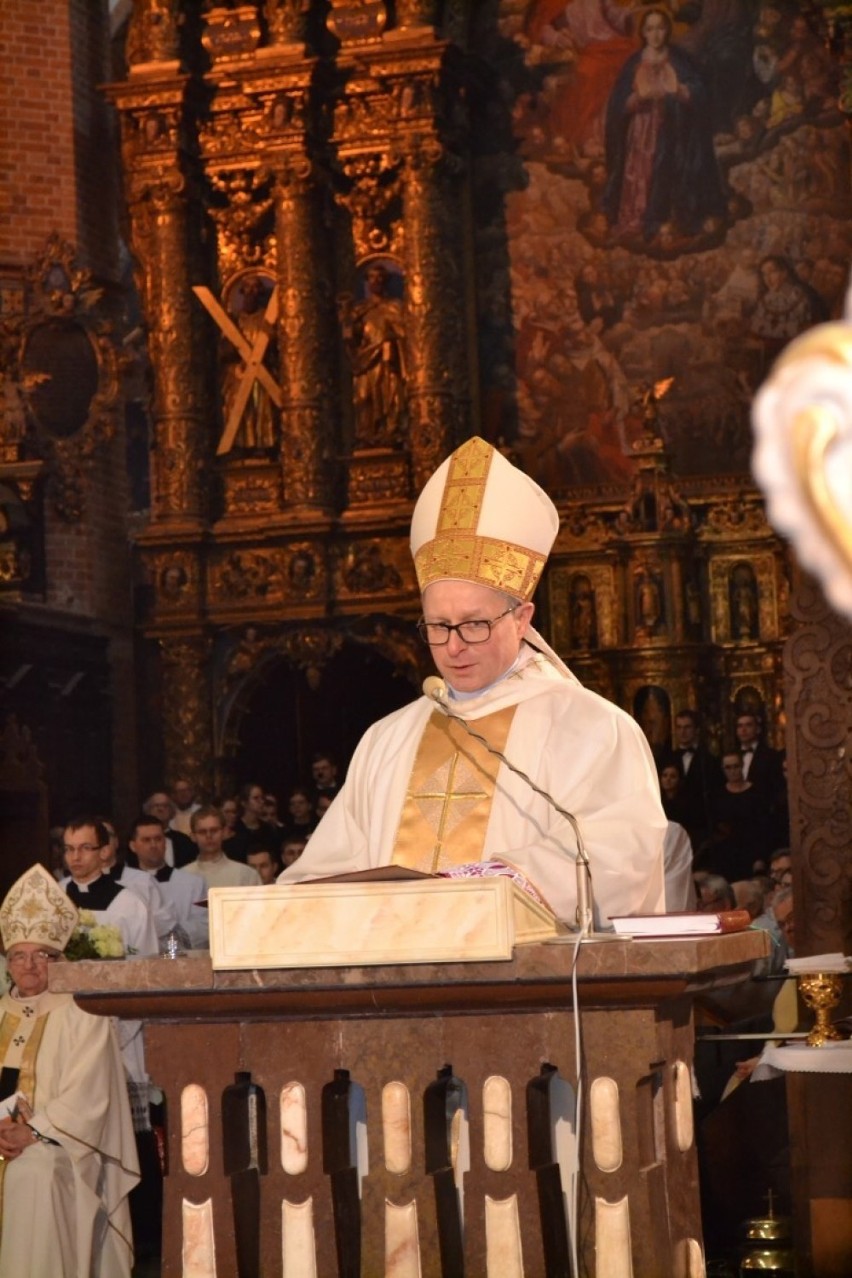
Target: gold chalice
821, 991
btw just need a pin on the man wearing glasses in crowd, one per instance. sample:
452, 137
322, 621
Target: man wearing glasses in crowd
420, 792
86, 847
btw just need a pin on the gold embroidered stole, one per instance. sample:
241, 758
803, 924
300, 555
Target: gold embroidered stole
20, 1040
448, 801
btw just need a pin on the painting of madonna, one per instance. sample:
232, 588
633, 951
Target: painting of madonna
661, 166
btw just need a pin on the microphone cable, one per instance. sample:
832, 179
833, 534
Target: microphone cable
435, 689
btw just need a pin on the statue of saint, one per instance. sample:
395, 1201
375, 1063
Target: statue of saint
247, 308
374, 335
649, 604
583, 612
652, 711
743, 603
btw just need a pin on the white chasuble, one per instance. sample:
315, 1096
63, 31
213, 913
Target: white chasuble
588, 754
63, 1203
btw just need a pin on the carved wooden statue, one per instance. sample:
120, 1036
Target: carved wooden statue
374, 333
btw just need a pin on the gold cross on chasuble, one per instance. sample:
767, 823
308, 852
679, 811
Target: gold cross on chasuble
450, 791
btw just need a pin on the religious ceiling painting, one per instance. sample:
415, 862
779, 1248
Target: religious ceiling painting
673, 188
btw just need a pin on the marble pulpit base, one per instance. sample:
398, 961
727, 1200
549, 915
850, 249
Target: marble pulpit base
417, 1120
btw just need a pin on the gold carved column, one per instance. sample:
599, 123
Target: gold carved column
155, 103
438, 385
304, 338
818, 697
159, 216
186, 701
152, 105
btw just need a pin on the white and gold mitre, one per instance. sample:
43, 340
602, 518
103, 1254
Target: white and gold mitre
802, 418
481, 519
36, 909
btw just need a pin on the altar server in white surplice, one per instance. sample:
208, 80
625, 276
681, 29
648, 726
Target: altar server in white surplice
85, 841
67, 1153
422, 793
186, 893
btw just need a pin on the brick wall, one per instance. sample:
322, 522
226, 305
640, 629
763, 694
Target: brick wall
96, 151
56, 134
88, 561
89, 575
59, 172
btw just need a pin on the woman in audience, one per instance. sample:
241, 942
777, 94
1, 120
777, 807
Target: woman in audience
740, 836
671, 792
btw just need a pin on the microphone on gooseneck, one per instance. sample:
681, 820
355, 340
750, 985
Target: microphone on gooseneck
435, 689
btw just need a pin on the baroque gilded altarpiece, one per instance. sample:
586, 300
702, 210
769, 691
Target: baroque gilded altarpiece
315, 199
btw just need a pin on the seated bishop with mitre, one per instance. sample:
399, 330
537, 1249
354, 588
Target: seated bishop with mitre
421, 792
67, 1152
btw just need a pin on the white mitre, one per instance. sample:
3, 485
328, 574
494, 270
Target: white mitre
802, 459
481, 519
36, 909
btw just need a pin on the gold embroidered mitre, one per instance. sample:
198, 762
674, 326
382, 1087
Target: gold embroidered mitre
481, 519
36, 909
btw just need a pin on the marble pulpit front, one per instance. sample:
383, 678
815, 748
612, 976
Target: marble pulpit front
414, 1121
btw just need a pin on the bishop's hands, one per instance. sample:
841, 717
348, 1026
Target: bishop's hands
15, 1134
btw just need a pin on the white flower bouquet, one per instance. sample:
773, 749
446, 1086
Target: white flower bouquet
93, 940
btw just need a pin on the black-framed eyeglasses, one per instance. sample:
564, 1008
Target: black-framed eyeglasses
477, 630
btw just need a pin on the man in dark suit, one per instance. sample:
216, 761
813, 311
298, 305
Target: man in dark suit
764, 768
761, 764
702, 776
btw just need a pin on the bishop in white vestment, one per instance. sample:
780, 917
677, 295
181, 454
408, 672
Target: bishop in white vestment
67, 1151
421, 792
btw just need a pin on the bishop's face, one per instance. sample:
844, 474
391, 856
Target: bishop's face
468, 667
28, 964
